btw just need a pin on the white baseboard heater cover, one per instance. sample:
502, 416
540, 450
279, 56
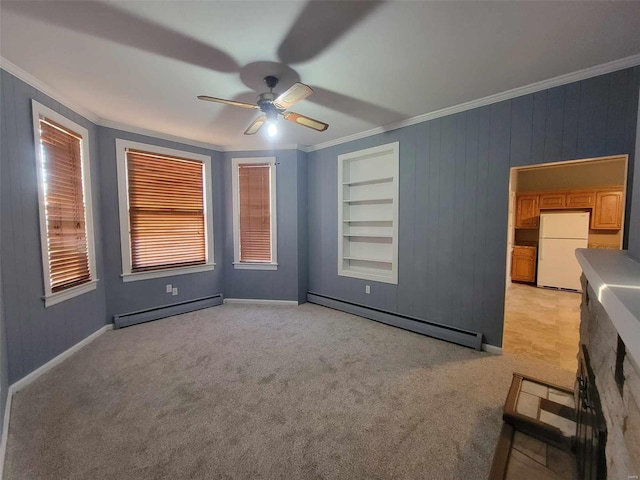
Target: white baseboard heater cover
141, 316
456, 335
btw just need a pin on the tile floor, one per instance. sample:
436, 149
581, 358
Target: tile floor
543, 324
532, 459
529, 404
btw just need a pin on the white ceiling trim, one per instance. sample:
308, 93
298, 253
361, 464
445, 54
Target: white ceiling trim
602, 69
163, 136
292, 146
579, 75
46, 89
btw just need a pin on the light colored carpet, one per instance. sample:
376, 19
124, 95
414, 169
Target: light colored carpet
264, 392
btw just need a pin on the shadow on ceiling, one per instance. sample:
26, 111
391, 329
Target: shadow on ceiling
353, 107
110, 23
319, 25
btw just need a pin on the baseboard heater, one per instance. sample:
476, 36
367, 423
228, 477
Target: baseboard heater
141, 316
459, 336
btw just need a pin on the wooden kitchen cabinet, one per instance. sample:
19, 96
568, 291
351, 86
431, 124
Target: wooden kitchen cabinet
607, 213
581, 199
552, 200
527, 211
523, 264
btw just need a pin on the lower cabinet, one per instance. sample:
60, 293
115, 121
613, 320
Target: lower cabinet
523, 264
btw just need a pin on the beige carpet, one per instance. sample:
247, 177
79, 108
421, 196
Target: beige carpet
255, 392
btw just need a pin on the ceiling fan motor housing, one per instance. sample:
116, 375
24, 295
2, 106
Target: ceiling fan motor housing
271, 81
265, 102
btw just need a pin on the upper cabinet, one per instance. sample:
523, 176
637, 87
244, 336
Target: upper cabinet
581, 199
607, 214
552, 200
527, 211
606, 205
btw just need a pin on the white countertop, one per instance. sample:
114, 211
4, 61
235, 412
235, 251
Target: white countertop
615, 277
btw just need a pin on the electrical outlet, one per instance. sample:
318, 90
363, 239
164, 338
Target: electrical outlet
169, 289
367, 289
174, 292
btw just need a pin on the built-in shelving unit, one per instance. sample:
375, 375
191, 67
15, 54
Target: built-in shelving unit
368, 213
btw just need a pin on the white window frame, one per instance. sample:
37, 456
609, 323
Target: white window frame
123, 206
237, 264
40, 112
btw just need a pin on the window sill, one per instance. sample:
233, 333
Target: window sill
58, 297
254, 266
167, 272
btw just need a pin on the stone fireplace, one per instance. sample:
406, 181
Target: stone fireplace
610, 331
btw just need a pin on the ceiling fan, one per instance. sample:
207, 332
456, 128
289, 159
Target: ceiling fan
273, 106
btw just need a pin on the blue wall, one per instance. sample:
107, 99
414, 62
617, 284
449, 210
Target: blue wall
634, 220
454, 177
4, 363
283, 283
142, 294
303, 227
36, 334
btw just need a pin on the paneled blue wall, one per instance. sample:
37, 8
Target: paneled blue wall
283, 283
454, 176
303, 227
139, 295
4, 363
36, 334
634, 217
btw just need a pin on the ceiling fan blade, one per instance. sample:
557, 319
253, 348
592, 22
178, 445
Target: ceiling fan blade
226, 102
305, 121
256, 125
295, 93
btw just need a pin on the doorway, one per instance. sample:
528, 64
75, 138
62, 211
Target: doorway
554, 208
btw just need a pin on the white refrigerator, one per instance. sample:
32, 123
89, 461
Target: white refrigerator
560, 235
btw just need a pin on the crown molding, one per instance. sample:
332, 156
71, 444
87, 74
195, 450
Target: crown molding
292, 146
577, 76
26, 77
159, 135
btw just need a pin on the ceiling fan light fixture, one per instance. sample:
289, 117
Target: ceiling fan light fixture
272, 122
272, 106
272, 128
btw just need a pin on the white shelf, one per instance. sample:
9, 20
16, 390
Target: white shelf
368, 213
371, 200
366, 235
377, 220
372, 260
371, 181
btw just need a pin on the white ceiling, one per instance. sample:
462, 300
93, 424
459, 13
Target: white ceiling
370, 64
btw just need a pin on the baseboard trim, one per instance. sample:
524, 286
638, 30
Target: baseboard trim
459, 336
260, 301
23, 382
492, 349
143, 316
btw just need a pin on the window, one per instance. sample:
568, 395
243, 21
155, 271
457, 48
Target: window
254, 213
166, 220
64, 194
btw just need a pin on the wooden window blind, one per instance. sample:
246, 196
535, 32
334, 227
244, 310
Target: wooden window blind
255, 212
166, 211
64, 206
